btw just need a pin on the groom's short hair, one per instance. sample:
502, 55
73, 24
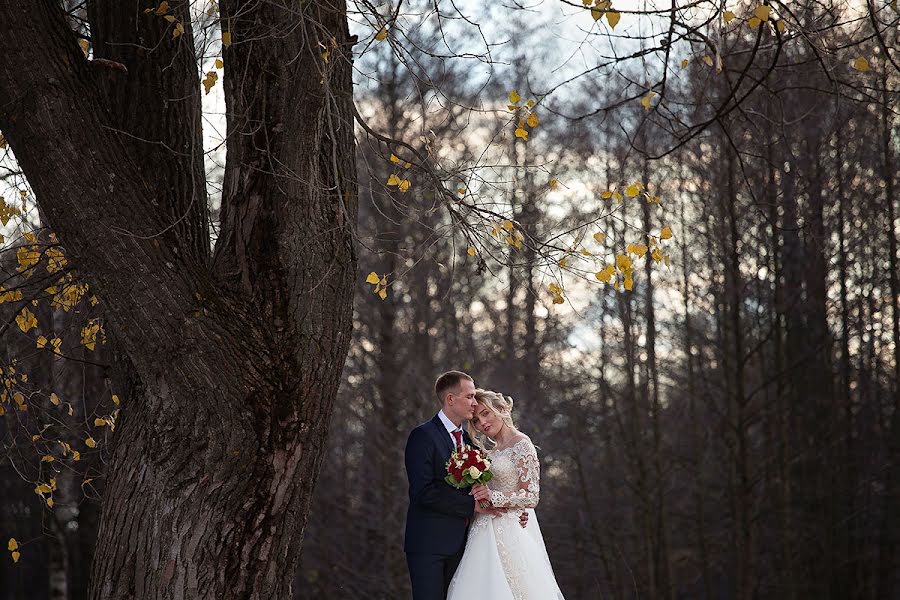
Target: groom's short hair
448, 380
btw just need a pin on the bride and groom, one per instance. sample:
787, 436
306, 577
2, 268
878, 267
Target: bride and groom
455, 549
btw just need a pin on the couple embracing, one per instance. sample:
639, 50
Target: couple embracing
484, 541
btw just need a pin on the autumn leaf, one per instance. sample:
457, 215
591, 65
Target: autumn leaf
393, 180
762, 12
600, 237
647, 99
728, 16
553, 184
178, 31
219, 63
394, 158
684, 63
861, 64
54, 399
632, 190
85, 46
754, 22
226, 38
665, 234
471, 251
532, 120
382, 33
26, 320
210, 81
514, 97
12, 544
41, 341
373, 278
403, 185
612, 17
522, 133
708, 60
90, 442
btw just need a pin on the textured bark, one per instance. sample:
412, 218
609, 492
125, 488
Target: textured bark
234, 363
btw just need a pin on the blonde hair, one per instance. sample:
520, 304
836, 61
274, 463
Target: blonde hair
498, 404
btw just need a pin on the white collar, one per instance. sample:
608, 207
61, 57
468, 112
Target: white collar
451, 427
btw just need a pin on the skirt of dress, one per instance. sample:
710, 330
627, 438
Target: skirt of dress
503, 561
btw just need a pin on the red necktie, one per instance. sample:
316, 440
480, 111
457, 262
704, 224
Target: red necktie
458, 436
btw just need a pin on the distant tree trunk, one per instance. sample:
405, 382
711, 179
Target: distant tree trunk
237, 361
890, 524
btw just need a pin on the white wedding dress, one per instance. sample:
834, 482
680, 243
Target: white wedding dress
503, 561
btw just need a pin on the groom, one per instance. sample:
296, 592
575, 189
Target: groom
439, 514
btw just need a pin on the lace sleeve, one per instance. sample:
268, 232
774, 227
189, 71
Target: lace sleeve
528, 491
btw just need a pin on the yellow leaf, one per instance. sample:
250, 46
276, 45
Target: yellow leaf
780, 26
179, 30
163, 8
728, 16
586, 252
219, 63
461, 191
533, 120
639, 249
632, 190
42, 489
617, 196
612, 17
47, 458
98, 422
656, 254
665, 234
530, 104
26, 320
41, 341
12, 544
15, 556
407, 165
753, 22
50, 502
76, 455
521, 133
606, 195
90, 442
708, 60
115, 399
606, 274
393, 180
226, 38
382, 34
54, 399
514, 97
404, 185
170, 18
562, 263
210, 80
647, 99
394, 158
762, 12
600, 237
596, 14
558, 300
666, 259
383, 293
508, 225
85, 46
629, 283
861, 64
684, 63
553, 184
471, 251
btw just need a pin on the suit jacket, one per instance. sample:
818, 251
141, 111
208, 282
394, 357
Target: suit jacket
438, 515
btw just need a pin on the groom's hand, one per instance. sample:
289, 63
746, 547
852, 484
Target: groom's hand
523, 519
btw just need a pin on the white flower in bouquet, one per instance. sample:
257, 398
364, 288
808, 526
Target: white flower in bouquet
474, 473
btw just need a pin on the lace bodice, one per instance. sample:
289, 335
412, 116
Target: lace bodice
517, 476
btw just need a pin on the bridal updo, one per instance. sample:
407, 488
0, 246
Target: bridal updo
498, 404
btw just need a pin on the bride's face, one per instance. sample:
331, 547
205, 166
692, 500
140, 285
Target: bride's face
486, 422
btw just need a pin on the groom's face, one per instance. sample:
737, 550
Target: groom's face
463, 400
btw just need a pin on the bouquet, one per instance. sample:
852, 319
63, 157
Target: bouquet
467, 467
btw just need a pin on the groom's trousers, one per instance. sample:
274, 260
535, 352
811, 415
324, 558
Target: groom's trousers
430, 574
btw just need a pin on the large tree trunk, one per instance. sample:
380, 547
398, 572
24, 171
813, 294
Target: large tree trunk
235, 362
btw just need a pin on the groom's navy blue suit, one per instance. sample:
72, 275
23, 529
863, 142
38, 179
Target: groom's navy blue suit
439, 514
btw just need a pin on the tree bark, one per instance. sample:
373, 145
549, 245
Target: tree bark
236, 363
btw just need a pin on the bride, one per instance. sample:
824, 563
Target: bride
503, 561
